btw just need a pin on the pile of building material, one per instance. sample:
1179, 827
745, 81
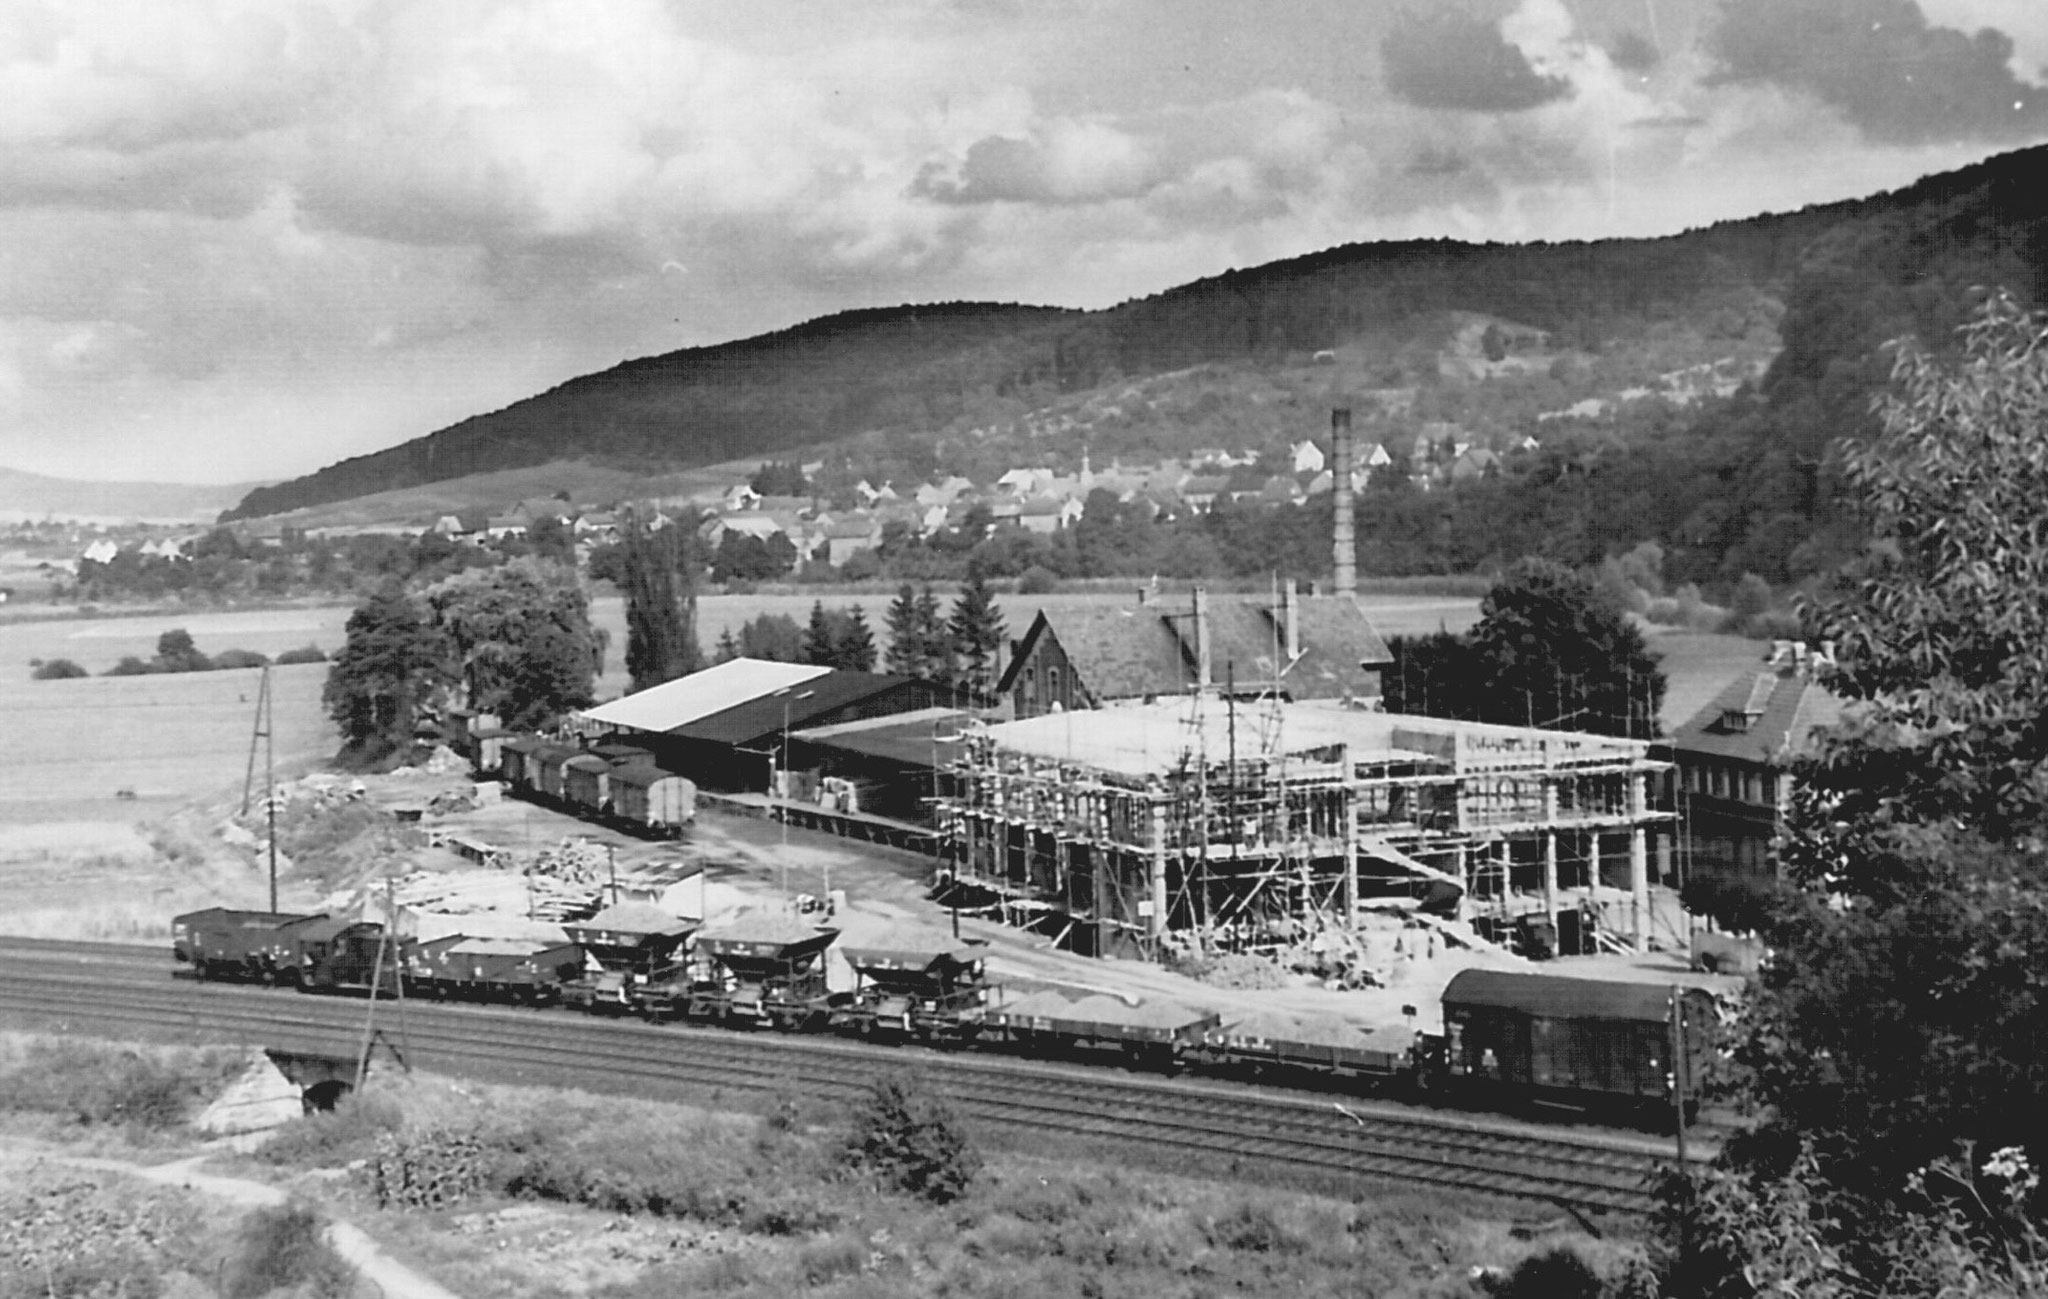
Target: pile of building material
571, 862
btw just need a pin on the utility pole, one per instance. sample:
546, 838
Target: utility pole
264, 725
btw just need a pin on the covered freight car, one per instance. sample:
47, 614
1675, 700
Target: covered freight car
1591, 1044
647, 796
585, 782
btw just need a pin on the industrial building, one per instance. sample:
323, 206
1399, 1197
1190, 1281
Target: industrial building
726, 728
1223, 825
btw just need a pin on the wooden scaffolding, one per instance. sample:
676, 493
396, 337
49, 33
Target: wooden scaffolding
1225, 825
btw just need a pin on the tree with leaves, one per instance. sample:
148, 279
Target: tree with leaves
977, 631
657, 564
1555, 652
522, 640
772, 636
392, 663
1895, 1040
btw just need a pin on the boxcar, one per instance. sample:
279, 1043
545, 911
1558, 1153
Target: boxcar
547, 763
519, 763
220, 943
1591, 1044
646, 795
584, 782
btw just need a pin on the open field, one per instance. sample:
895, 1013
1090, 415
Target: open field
1698, 664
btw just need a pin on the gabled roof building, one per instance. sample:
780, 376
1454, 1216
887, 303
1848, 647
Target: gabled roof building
1318, 647
1733, 777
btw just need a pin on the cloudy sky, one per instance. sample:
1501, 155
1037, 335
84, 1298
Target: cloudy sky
245, 238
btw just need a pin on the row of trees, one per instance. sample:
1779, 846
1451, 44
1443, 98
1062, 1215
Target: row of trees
1896, 1042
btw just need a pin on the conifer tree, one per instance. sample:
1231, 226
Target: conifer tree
934, 640
977, 630
853, 641
818, 638
908, 648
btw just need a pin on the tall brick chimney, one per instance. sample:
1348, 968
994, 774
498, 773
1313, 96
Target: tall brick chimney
1345, 556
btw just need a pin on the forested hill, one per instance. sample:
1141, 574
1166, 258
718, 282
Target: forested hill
1828, 284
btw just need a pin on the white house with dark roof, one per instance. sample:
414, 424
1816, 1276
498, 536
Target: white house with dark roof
1733, 779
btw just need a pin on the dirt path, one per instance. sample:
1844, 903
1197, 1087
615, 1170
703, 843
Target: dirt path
394, 1279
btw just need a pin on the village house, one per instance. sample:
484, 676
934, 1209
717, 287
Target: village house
1296, 647
1308, 457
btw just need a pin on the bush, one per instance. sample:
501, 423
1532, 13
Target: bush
131, 666
1037, 580
909, 1141
58, 670
1558, 1273
228, 660
94, 1083
303, 654
1742, 903
348, 1132
285, 1248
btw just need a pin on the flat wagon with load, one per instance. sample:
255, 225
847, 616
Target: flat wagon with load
1294, 1047
1151, 1035
528, 970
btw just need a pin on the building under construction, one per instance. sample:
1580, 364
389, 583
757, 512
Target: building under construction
1220, 825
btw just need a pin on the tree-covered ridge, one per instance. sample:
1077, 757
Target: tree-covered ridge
1585, 347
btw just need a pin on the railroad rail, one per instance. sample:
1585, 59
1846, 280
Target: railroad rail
128, 991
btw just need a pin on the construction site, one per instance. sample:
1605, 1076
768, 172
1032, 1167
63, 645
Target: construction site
1214, 815
1217, 825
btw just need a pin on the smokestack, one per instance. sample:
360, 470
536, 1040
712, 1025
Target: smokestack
1346, 552
1205, 674
1290, 619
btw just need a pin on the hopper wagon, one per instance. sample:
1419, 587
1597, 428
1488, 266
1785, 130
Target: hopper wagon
925, 990
767, 972
633, 952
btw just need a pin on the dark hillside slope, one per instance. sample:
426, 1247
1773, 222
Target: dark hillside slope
1851, 274
820, 380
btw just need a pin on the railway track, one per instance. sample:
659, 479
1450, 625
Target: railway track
127, 991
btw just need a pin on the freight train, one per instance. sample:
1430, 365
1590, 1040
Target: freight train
612, 782
1614, 1051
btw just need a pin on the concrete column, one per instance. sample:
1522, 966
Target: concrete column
1350, 845
1550, 877
1158, 881
1639, 887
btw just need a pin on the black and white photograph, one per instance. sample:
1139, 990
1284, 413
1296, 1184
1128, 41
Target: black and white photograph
967, 649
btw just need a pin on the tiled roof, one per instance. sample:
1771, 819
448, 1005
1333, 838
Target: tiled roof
1122, 652
1779, 710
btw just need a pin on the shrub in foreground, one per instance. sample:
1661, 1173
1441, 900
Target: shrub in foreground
303, 654
57, 670
286, 1248
908, 1140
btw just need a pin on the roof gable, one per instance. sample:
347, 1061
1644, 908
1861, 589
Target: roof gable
1764, 715
701, 694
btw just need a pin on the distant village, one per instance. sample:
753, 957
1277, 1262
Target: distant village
1033, 499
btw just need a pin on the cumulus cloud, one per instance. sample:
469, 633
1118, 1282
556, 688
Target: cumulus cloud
1457, 61
1898, 78
287, 230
